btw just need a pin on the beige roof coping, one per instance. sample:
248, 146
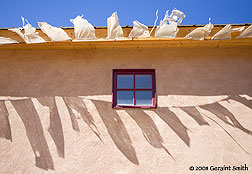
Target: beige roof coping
152, 42
135, 43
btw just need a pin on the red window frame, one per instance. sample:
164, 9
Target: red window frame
133, 72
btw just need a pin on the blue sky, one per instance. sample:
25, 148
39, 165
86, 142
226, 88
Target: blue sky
58, 12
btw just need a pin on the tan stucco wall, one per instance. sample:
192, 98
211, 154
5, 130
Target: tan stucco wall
56, 113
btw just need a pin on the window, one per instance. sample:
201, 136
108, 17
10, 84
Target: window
134, 88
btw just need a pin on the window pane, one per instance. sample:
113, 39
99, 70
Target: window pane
143, 98
125, 82
143, 81
125, 97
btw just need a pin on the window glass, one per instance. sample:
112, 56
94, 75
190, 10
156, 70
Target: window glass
125, 82
143, 81
125, 97
143, 98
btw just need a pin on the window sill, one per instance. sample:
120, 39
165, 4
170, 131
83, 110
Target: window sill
141, 107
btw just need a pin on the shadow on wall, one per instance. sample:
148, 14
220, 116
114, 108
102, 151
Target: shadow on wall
113, 123
116, 130
76, 103
55, 128
5, 129
222, 113
195, 114
175, 124
149, 129
34, 132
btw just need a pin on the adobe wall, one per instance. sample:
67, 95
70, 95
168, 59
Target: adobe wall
56, 113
